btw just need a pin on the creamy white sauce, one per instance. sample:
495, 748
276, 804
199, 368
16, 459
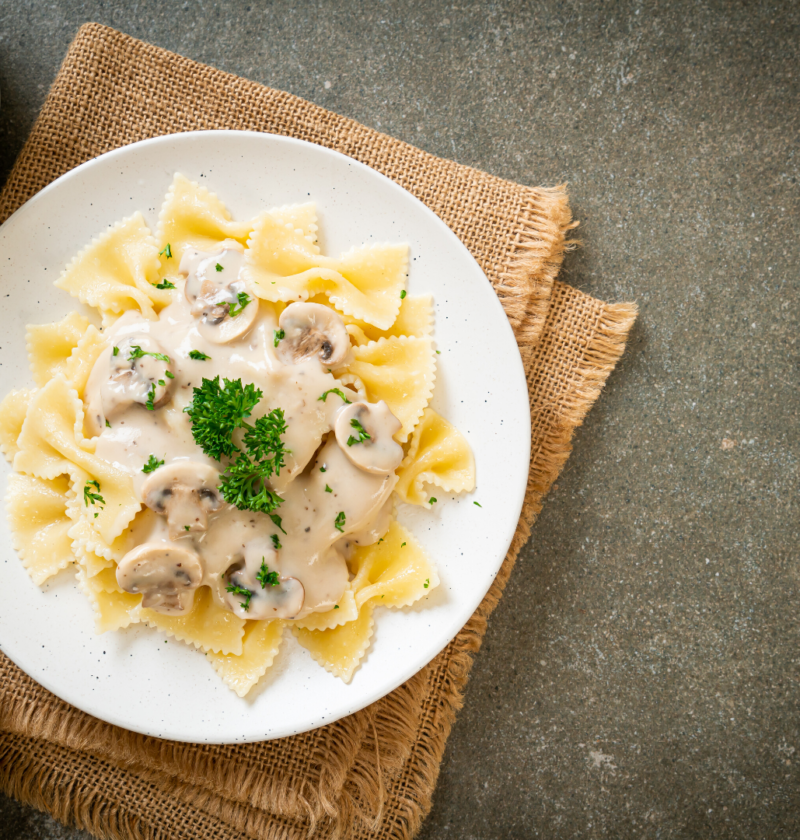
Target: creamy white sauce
356, 497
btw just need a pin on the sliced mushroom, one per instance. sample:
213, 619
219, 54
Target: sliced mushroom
185, 492
165, 575
136, 370
255, 590
364, 431
311, 329
214, 289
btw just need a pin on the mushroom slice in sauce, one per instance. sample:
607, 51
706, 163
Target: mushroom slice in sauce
364, 432
213, 288
311, 329
185, 492
135, 370
271, 595
165, 575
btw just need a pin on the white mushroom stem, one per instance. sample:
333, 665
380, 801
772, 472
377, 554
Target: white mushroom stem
255, 588
365, 431
309, 330
185, 492
165, 575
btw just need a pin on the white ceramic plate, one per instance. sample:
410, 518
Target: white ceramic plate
134, 678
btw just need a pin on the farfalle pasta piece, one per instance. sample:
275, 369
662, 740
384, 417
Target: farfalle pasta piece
415, 319
438, 454
112, 272
191, 216
346, 610
301, 218
282, 265
81, 361
207, 626
399, 370
260, 644
113, 610
39, 524
394, 572
13, 409
90, 562
50, 346
49, 446
340, 650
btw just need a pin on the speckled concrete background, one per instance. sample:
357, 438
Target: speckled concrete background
640, 677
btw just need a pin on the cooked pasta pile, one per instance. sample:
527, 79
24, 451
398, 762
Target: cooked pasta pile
126, 274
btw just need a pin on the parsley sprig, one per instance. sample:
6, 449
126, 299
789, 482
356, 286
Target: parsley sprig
138, 353
92, 498
164, 284
166, 251
235, 308
198, 355
339, 393
235, 589
152, 464
265, 577
361, 433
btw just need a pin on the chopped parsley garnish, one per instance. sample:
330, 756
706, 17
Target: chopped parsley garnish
108, 425
89, 496
339, 521
186, 527
276, 541
166, 251
336, 606
151, 396
402, 294
402, 545
432, 500
198, 356
169, 374
339, 393
217, 411
427, 583
328, 489
277, 520
161, 382
438, 352
218, 267
115, 351
235, 308
478, 504
235, 589
152, 464
164, 284
278, 336
362, 434
138, 353
323, 468
265, 577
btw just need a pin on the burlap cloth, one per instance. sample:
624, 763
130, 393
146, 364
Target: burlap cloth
371, 774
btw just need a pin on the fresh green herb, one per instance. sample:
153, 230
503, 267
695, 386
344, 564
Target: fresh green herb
186, 527
166, 251
108, 425
402, 294
138, 353
235, 308
339, 521
278, 336
380, 540
217, 411
164, 284
276, 541
336, 607
89, 496
198, 356
438, 352
115, 351
432, 500
265, 577
161, 382
427, 583
152, 464
402, 545
218, 267
235, 589
337, 391
361, 431
277, 520
151, 396
328, 489
323, 468
169, 374
478, 504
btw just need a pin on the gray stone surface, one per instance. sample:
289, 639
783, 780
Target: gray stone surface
639, 678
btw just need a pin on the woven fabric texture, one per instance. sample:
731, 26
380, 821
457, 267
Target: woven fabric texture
370, 775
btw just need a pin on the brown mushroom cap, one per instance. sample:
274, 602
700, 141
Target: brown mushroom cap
165, 575
309, 330
379, 453
185, 492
